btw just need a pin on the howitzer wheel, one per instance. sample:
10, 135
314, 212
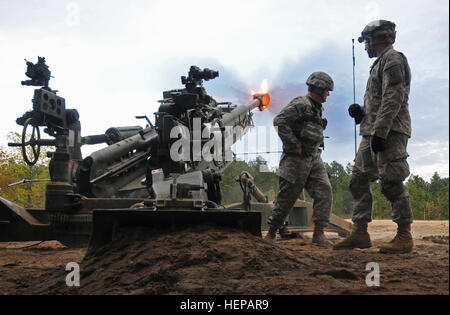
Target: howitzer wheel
71, 230
32, 142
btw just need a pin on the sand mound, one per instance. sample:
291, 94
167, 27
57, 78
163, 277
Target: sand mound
200, 260
205, 260
438, 239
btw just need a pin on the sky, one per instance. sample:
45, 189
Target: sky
112, 59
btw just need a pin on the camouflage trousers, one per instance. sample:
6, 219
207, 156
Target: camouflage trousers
391, 168
295, 174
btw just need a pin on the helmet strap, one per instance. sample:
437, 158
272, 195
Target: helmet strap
320, 95
372, 50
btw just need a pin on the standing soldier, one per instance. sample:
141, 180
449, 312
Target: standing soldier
385, 129
300, 126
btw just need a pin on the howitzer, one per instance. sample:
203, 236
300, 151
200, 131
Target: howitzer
161, 176
134, 168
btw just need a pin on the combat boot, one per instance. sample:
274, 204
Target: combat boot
359, 238
401, 243
319, 236
271, 234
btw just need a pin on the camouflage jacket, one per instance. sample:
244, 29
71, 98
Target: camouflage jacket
386, 99
300, 123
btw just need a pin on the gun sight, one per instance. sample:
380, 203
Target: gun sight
39, 73
196, 75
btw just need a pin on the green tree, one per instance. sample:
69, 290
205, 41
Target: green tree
13, 169
438, 189
419, 196
340, 180
381, 207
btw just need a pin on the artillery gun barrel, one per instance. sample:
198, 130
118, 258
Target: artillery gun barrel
240, 113
105, 156
94, 139
112, 135
106, 171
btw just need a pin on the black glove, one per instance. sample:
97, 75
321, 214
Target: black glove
356, 112
324, 123
378, 144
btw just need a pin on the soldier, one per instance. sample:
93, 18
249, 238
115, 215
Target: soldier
300, 127
385, 127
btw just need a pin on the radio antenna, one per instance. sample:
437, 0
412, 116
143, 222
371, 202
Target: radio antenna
354, 89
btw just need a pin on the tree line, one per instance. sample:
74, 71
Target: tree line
429, 199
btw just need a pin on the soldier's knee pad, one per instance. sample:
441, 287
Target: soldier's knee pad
358, 183
328, 191
323, 193
393, 190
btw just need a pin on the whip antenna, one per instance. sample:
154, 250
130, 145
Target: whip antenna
354, 93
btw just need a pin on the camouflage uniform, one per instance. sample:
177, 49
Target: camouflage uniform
386, 116
300, 124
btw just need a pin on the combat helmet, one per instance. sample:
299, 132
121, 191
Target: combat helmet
381, 30
320, 80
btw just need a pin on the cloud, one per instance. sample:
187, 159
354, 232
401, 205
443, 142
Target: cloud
426, 158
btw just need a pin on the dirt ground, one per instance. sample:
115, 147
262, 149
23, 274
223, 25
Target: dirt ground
203, 260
